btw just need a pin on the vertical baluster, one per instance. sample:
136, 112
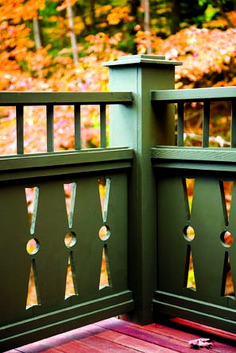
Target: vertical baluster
233, 123
20, 129
206, 121
180, 124
103, 125
50, 144
77, 117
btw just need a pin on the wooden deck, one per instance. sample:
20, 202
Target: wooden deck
118, 336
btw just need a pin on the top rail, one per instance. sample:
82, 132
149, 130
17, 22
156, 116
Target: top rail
61, 98
194, 95
51, 99
205, 95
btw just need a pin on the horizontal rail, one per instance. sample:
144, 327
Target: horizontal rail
194, 95
64, 98
205, 95
194, 154
64, 163
194, 158
51, 99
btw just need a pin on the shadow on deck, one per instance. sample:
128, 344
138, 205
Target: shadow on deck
118, 336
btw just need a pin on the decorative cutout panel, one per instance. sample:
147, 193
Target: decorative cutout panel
189, 233
32, 195
33, 290
105, 276
189, 281
227, 283
202, 260
32, 246
70, 193
104, 185
70, 278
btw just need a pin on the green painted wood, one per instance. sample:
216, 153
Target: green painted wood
77, 112
51, 260
64, 320
50, 131
142, 59
180, 124
232, 249
54, 313
20, 129
206, 121
86, 224
207, 218
208, 221
194, 310
194, 95
141, 126
15, 262
45, 165
63, 98
172, 218
195, 154
233, 124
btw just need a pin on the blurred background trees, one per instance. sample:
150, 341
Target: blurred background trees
59, 45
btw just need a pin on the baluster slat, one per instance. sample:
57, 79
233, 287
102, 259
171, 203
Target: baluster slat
50, 142
180, 124
20, 128
233, 123
206, 121
103, 125
77, 124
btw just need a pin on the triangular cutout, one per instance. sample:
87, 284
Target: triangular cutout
105, 277
228, 189
189, 273
33, 293
188, 185
227, 283
70, 193
104, 191
32, 195
70, 278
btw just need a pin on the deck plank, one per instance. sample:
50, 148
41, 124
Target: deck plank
119, 336
140, 333
131, 342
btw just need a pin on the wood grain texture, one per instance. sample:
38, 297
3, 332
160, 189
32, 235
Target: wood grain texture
118, 336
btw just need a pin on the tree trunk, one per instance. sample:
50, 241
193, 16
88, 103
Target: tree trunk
92, 12
72, 31
146, 25
134, 5
175, 16
37, 38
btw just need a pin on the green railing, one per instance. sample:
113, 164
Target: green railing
63, 227
196, 193
49, 100
141, 227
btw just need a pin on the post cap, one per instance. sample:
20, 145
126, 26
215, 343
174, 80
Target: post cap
141, 59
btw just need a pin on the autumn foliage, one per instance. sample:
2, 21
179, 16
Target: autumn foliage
208, 55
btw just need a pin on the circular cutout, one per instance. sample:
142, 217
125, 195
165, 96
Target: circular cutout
226, 238
70, 239
189, 233
104, 233
32, 246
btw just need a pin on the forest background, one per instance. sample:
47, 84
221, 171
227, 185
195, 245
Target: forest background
56, 45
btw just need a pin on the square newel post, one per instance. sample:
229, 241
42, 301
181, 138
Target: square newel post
141, 126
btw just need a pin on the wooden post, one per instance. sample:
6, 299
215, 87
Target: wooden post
142, 126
